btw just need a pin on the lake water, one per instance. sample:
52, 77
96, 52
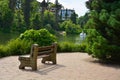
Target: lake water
70, 38
5, 37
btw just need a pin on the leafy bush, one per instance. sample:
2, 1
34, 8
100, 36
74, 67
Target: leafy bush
49, 28
18, 47
71, 47
65, 47
42, 37
4, 51
100, 48
70, 27
15, 47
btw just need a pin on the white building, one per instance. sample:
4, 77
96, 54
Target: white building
65, 14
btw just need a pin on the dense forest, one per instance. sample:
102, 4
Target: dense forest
20, 15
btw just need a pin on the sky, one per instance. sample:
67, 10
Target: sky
77, 5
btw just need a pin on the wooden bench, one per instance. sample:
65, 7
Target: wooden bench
47, 53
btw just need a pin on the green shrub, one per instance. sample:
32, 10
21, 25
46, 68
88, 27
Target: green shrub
50, 29
65, 47
18, 47
100, 48
15, 47
82, 47
4, 51
42, 37
71, 47
70, 27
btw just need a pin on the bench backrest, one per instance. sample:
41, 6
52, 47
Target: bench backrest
37, 51
46, 49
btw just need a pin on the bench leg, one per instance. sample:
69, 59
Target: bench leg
34, 67
21, 67
43, 61
54, 61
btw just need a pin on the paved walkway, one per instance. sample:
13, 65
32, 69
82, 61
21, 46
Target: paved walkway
71, 66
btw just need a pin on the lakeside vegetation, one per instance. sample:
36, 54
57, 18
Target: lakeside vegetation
21, 44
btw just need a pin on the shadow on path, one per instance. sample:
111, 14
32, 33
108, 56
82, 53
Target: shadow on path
44, 69
107, 64
103, 63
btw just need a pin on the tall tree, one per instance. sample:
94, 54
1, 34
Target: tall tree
26, 10
57, 8
104, 16
73, 17
66, 14
6, 16
49, 18
43, 5
12, 4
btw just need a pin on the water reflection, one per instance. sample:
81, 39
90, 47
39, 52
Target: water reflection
71, 38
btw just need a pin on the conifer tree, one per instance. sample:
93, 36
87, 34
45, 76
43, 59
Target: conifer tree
105, 19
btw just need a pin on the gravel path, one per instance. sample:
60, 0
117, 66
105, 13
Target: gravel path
70, 66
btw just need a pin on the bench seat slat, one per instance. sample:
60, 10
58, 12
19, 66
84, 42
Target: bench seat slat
43, 56
45, 52
45, 48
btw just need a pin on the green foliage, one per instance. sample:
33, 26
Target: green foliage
26, 12
35, 6
90, 24
103, 39
42, 37
6, 16
49, 18
22, 44
100, 48
18, 16
15, 47
96, 44
94, 4
74, 18
5, 37
18, 22
36, 22
50, 29
104, 16
70, 27
91, 37
71, 47
83, 20
18, 47
4, 51
113, 22
65, 47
